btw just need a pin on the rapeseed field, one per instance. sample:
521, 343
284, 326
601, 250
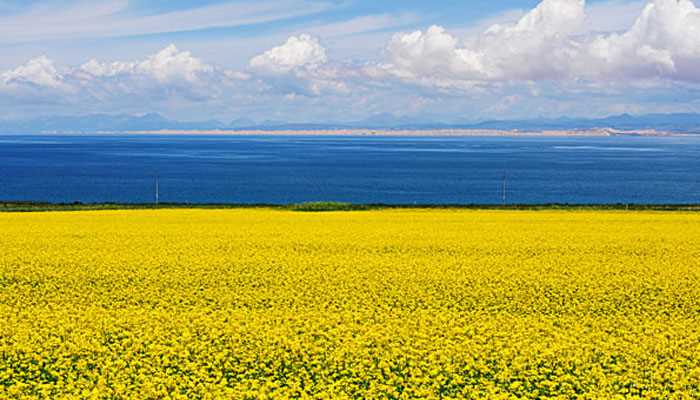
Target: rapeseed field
392, 304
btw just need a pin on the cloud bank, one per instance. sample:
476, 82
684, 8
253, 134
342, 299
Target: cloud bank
551, 53
549, 44
299, 51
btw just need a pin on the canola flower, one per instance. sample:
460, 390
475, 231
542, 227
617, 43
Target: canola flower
400, 304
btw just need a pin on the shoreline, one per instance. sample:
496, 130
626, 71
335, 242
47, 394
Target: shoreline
437, 133
29, 206
604, 132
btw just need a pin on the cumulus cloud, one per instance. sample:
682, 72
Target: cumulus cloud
555, 54
300, 67
550, 43
303, 51
664, 42
168, 65
39, 72
169, 75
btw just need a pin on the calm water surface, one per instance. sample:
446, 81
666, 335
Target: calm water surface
220, 169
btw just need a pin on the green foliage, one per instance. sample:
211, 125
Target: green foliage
324, 206
328, 206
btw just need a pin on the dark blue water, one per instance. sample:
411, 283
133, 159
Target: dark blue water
220, 169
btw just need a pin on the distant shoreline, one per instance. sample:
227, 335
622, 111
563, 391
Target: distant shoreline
602, 132
596, 132
18, 206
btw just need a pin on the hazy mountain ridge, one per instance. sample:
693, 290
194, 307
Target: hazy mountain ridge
105, 123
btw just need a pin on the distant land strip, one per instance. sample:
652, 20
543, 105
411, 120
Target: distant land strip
599, 132
28, 206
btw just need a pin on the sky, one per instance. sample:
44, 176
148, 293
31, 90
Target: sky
349, 60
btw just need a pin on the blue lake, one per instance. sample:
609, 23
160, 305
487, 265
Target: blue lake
282, 169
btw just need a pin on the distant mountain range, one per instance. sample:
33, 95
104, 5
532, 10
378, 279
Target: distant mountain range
105, 123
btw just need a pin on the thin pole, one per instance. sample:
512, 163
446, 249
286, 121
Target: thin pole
157, 190
504, 192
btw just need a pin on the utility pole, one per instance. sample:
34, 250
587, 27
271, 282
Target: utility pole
504, 191
157, 190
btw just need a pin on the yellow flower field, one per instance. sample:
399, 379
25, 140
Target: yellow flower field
393, 304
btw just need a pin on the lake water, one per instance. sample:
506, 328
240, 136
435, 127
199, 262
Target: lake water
280, 170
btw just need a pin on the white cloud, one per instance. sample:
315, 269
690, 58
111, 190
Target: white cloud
550, 43
300, 67
550, 18
550, 60
433, 55
166, 66
39, 72
171, 64
297, 52
168, 75
100, 69
664, 42
502, 52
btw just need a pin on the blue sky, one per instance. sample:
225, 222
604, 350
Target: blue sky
343, 60
244, 28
